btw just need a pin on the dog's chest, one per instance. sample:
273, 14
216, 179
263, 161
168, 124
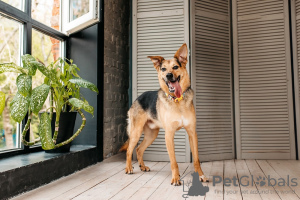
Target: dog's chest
178, 122
181, 121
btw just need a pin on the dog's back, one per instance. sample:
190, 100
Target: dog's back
148, 101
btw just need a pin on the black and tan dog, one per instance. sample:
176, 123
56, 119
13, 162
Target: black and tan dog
170, 108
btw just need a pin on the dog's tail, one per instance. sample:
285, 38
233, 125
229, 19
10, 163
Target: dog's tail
125, 146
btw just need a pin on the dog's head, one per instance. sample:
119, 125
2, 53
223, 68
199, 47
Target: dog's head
172, 74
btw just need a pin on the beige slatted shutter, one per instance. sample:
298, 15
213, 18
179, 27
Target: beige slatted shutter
295, 15
160, 27
263, 87
211, 78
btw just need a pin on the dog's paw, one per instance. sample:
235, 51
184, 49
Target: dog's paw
203, 178
144, 168
129, 170
176, 180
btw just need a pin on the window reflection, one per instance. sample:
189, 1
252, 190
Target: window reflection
78, 8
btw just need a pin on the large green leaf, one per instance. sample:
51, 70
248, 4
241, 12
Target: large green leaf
38, 97
46, 132
28, 64
24, 84
19, 107
48, 73
82, 105
12, 67
2, 102
84, 83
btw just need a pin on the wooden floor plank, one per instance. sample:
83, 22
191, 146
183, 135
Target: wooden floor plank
287, 168
85, 186
147, 190
166, 189
100, 171
128, 191
266, 192
215, 192
113, 185
285, 192
249, 191
231, 192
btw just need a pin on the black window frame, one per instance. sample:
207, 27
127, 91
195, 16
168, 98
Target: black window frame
24, 17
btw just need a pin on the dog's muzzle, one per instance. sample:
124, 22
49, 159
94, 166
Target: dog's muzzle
170, 80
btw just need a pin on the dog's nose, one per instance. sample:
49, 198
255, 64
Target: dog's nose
169, 76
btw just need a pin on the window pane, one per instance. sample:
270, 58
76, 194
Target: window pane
10, 51
46, 12
45, 49
78, 8
15, 3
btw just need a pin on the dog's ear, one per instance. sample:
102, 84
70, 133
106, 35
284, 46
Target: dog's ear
181, 54
157, 60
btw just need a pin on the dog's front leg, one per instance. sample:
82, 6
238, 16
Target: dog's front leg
169, 137
193, 139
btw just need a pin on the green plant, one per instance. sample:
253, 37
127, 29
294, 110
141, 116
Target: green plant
61, 83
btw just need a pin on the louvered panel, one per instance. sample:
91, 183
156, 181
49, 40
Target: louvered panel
212, 79
295, 16
268, 7
262, 67
159, 29
217, 6
158, 5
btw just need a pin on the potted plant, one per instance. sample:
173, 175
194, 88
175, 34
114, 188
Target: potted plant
62, 84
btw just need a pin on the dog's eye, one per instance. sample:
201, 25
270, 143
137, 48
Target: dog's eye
163, 69
175, 67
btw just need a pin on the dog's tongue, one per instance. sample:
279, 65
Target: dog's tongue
177, 87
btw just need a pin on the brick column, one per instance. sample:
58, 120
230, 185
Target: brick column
116, 74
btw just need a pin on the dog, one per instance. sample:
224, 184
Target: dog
171, 108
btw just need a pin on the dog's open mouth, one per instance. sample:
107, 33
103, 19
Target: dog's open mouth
174, 87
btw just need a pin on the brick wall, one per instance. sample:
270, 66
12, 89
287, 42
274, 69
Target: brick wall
116, 73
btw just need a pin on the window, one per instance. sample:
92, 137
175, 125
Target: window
37, 27
19, 36
79, 14
47, 12
75, 15
10, 51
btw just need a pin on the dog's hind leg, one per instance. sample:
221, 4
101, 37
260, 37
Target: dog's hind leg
149, 136
137, 124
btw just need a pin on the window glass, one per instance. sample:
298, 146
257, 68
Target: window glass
15, 3
78, 8
10, 51
46, 12
45, 49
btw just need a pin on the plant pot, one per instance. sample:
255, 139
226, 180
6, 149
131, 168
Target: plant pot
65, 131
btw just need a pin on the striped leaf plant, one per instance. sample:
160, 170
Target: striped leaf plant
61, 83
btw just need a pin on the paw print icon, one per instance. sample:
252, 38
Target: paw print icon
261, 181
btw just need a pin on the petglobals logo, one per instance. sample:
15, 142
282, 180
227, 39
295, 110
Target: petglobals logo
192, 186
250, 181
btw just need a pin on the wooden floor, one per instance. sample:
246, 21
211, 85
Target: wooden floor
107, 180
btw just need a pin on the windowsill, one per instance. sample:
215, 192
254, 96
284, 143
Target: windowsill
23, 160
